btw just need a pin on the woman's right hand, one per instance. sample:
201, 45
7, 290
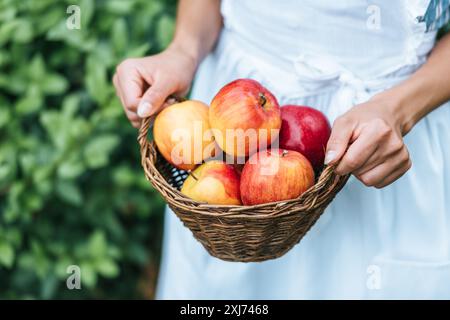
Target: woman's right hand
144, 84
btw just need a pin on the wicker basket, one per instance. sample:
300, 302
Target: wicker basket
239, 233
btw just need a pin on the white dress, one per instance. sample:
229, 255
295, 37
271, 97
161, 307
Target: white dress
370, 243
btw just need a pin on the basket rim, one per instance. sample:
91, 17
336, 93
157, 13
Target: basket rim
238, 211
237, 208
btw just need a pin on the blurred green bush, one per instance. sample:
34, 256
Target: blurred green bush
71, 188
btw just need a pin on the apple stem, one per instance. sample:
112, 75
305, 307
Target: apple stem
193, 176
284, 153
262, 99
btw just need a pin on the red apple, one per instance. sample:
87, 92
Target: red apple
183, 135
305, 130
275, 175
214, 182
245, 117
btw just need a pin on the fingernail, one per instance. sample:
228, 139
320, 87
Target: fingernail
144, 109
329, 156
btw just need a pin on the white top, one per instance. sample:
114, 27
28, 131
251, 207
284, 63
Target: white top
370, 243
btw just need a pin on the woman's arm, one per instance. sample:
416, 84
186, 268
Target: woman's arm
427, 89
368, 140
144, 84
198, 25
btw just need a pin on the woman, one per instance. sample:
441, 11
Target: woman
375, 70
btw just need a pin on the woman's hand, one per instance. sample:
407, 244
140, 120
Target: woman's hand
144, 84
368, 142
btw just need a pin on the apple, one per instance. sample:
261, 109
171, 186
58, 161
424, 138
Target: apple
245, 117
305, 130
274, 175
213, 182
183, 135
237, 162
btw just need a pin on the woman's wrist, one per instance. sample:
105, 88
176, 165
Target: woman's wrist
191, 52
405, 104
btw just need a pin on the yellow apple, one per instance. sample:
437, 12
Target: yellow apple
214, 182
182, 134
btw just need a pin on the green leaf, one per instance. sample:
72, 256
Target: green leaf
105, 53
70, 192
56, 127
107, 268
5, 59
97, 245
31, 102
74, 38
88, 275
87, 11
70, 169
7, 30
48, 20
6, 254
14, 83
36, 69
119, 35
54, 84
13, 236
5, 116
98, 150
42, 173
61, 266
23, 32
165, 30
71, 105
7, 14
95, 79
49, 286
119, 7
138, 51
124, 176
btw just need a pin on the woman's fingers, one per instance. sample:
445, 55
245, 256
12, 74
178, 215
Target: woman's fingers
389, 146
375, 142
155, 96
131, 83
388, 171
380, 155
131, 115
340, 138
134, 119
143, 84
367, 142
361, 150
394, 176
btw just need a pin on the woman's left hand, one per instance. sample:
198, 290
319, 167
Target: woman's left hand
367, 141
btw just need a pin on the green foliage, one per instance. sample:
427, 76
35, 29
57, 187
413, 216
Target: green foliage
72, 191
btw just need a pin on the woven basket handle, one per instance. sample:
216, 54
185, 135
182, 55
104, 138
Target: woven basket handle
326, 173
